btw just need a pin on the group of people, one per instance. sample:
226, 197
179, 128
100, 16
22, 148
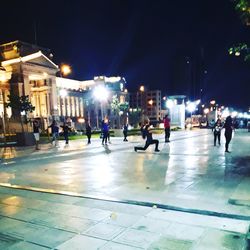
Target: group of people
228, 126
54, 131
145, 132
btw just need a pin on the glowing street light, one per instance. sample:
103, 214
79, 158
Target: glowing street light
150, 102
101, 93
65, 69
191, 107
142, 88
169, 103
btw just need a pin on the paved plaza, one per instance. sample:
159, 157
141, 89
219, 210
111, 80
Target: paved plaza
190, 195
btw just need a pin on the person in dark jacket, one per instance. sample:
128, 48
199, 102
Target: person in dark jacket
105, 131
125, 132
66, 130
88, 132
217, 131
228, 132
149, 139
55, 132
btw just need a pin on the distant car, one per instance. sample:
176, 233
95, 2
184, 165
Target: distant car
248, 126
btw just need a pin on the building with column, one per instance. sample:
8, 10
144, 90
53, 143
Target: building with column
27, 69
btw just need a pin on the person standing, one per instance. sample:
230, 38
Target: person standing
36, 132
125, 132
167, 127
228, 132
149, 139
217, 131
66, 130
88, 132
55, 132
105, 131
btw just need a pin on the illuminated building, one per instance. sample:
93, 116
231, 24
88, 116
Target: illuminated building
27, 69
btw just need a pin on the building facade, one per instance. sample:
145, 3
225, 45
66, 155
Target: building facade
147, 104
27, 69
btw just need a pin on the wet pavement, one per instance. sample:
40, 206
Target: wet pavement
181, 198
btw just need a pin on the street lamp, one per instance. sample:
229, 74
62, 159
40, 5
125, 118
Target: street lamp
65, 69
100, 94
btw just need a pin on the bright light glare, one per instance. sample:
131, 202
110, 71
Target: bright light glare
101, 93
63, 92
234, 114
206, 111
225, 113
169, 103
191, 107
65, 69
197, 102
81, 120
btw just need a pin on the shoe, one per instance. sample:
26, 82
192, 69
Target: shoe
227, 151
157, 150
214, 145
135, 149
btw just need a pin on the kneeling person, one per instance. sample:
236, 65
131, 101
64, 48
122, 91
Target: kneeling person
149, 139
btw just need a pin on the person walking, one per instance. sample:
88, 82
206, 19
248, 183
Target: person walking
228, 132
66, 130
217, 131
36, 132
125, 132
88, 132
55, 132
167, 127
149, 139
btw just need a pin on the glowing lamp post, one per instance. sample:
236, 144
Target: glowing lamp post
65, 70
101, 94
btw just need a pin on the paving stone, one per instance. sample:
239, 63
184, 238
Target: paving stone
80, 242
152, 225
233, 225
104, 231
68, 223
136, 238
115, 246
49, 238
26, 246
216, 239
165, 243
122, 219
7, 241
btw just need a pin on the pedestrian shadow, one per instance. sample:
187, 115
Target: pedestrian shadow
238, 166
107, 150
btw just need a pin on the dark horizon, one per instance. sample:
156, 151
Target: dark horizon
144, 41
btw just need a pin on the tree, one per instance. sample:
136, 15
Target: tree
117, 107
20, 104
243, 8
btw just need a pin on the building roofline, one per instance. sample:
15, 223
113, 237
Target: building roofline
25, 43
27, 58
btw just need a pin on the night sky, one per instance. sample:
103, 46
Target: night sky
147, 41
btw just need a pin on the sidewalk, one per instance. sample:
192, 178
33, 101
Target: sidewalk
189, 177
39, 221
